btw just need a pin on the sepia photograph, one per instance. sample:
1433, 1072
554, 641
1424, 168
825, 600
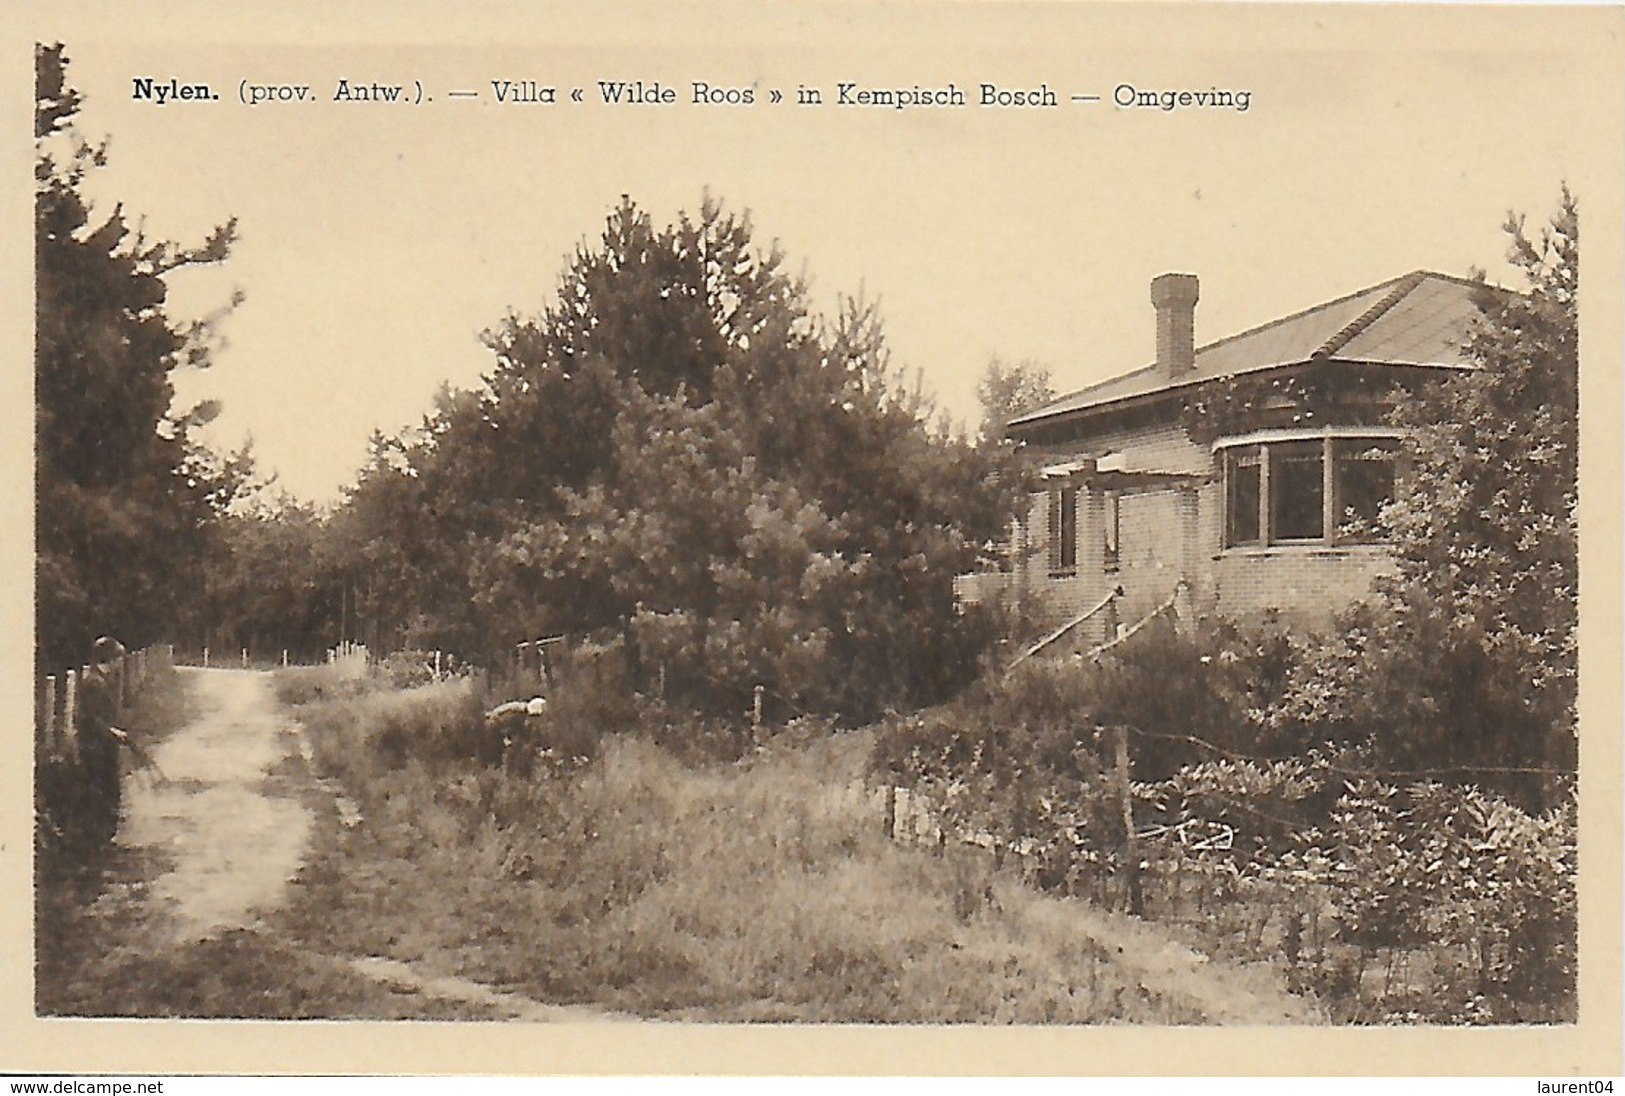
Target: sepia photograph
857, 538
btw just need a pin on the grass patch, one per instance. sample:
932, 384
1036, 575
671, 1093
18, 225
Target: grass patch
763, 890
241, 974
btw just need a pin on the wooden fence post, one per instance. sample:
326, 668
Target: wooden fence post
70, 702
48, 708
1131, 848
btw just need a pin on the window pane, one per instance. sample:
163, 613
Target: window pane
1069, 528
1241, 498
1365, 481
1054, 529
1297, 489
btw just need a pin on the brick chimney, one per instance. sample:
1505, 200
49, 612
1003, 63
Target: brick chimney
1174, 296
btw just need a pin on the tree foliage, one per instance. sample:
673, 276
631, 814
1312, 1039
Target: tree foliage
272, 580
1470, 658
679, 454
1006, 391
123, 492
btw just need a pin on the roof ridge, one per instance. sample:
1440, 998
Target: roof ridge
1402, 288
1388, 292
1277, 322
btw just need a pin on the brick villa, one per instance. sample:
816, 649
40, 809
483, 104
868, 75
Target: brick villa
1250, 468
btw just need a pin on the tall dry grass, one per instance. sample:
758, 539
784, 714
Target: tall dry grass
759, 890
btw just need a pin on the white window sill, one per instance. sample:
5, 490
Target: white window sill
1300, 549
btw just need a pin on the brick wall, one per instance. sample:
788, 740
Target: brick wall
1306, 585
1154, 528
1165, 533
1164, 447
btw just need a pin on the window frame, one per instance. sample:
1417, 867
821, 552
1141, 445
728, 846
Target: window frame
1231, 460
1347, 451
1271, 450
1063, 529
1283, 506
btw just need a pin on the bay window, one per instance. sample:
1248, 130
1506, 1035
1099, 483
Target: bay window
1288, 487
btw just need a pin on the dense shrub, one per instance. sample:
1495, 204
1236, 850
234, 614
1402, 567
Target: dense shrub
407, 668
1431, 865
1187, 698
1260, 823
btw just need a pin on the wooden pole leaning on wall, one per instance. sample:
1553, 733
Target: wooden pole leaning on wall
1109, 601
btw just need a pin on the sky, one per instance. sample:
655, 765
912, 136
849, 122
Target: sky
377, 240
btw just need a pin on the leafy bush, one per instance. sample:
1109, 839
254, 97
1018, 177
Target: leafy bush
408, 668
1268, 807
299, 685
1301, 856
1457, 868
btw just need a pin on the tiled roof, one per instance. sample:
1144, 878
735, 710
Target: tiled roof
1419, 318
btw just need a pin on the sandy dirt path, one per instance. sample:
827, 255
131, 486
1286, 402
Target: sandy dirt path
235, 838
222, 806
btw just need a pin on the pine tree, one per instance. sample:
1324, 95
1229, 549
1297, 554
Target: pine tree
123, 493
679, 455
1006, 391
